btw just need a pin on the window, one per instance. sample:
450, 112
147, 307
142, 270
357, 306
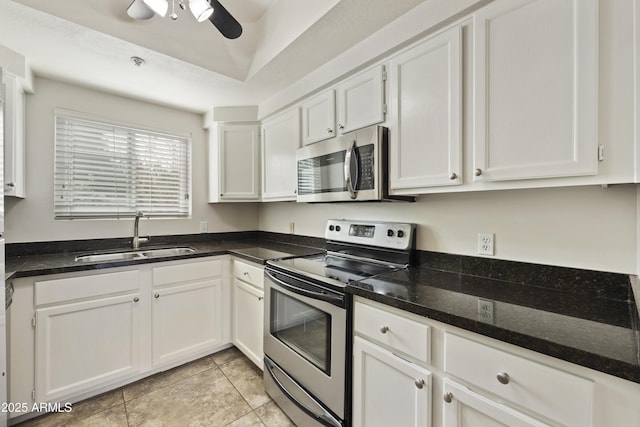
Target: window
104, 170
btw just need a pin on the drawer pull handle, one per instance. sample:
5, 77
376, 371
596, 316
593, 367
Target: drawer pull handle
156, 296
503, 377
136, 299
419, 383
384, 329
245, 274
448, 397
260, 298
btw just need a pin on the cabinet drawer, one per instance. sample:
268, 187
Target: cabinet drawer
558, 395
90, 286
249, 273
177, 273
398, 333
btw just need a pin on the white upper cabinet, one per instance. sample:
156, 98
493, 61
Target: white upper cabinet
234, 165
280, 140
535, 89
14, 136
319, 118
360, 100
425, 96
355, 103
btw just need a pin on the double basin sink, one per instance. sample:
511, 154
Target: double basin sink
132, 255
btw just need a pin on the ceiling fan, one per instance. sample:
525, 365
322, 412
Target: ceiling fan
201, 10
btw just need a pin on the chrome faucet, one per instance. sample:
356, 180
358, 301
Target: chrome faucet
135, 242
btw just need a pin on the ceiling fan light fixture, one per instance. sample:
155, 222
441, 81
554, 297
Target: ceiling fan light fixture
158, 6
201, 9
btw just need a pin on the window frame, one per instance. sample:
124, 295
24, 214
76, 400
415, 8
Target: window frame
120, 210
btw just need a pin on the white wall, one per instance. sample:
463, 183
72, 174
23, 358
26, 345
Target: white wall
583, 227
31, 219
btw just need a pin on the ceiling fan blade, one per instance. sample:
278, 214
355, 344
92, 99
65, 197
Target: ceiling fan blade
224, 21
138, 10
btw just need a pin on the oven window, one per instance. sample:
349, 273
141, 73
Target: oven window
303, 328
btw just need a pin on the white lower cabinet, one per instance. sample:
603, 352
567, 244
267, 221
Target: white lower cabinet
73, 335
388, 390
186, 319
87, 332
84, 345
471, 380
391, 381
544, 391
186, 310
248, 310
464, 408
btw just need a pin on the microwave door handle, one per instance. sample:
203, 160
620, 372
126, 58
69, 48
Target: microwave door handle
351, 158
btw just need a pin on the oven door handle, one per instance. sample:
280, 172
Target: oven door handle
325, 418
322, 296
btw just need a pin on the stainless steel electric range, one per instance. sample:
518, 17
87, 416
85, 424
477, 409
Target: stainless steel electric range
307, 335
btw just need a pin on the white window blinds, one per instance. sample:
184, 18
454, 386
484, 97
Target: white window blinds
108, 171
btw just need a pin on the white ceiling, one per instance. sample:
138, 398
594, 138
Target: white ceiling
189, 65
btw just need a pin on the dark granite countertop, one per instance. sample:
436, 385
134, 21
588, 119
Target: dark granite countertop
257, 250
585, 317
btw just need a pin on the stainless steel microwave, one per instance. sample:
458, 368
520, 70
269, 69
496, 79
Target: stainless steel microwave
351, 167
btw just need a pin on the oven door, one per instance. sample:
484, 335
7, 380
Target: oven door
305, 333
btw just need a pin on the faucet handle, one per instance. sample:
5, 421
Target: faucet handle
139, 214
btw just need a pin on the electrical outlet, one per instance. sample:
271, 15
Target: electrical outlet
485, 311
485, 244
204, 226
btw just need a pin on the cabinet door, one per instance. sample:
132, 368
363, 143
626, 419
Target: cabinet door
186, 320
387, 390
464, 408
426, 101
535, 89
14, 137
239, 162
82, 346
247, 320
319, 118
280, 140
360, 100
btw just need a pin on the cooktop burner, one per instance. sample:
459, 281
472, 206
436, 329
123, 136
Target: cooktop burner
356, 250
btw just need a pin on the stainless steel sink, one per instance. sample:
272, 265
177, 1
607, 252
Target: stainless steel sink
130, 255
153, 253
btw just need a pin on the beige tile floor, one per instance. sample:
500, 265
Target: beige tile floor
223, 389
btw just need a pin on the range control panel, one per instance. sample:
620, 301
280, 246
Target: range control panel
391, 235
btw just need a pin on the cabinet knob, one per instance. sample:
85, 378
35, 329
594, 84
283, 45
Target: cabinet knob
11, 184
329, 130
448, 397
260, 298
245, 274
156, 296
221, 194
419, 383
384, 329
503, 378
340, 126
136, 299
477, 172
453, 176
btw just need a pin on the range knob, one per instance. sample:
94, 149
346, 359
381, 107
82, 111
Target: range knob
337, 228
331, 227
400, 234
390, 233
